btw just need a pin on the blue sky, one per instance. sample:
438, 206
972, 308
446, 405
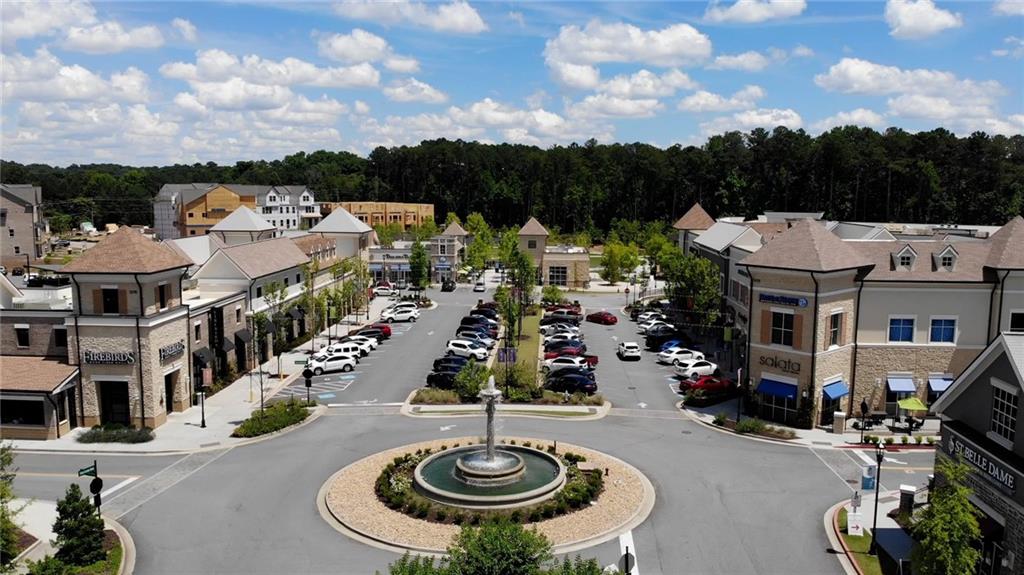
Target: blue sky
148, 82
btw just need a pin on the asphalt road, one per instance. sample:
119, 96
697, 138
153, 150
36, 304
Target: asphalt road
724, 504
46, 476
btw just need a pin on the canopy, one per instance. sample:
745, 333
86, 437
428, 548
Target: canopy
227, 345
912, 404
835, 390
244, 334
442, 266
777, 388
903, 384
939, 384
204, 356
375, 267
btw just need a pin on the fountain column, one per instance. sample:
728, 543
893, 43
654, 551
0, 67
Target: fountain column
490, 395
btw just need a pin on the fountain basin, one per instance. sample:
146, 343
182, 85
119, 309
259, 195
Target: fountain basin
463, 478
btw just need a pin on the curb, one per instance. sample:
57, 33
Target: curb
26, 551
741, 435
835, 539
602, 411
127, 566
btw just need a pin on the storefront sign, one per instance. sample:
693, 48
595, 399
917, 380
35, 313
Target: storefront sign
780, 363
994, 470
110, 357
782, 299
173, 350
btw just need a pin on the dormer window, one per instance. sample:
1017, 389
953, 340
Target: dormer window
904, 259
271, 199
946, 259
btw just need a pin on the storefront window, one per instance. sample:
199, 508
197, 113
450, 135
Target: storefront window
782, 328
22, 334
558, 275
1004, 413
60, 337
943, 330
1017, 321
21, 412
110, 301
778, 409
901, 329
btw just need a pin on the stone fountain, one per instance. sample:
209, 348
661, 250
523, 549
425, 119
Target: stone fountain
492, 476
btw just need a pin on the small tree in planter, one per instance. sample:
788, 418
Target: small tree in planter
947, 529
79, 529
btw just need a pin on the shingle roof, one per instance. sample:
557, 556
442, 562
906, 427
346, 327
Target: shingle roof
242, 219
25, 192
969, 266
187, 192
340, 221
454, 229
33, 373
127, 251
265, 257
807, 246
1007, 246
695, 219
532, 228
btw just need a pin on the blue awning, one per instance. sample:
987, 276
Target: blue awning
404, 268
375, 267
835, 390
939, 384
777, 388
901, 384
442, 266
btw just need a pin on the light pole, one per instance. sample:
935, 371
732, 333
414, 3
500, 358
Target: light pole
879, 456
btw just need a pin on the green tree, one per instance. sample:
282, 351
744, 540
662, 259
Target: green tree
470, 380
701, 283
416, 565
478, 252
611, 262
274, 294
425, 230
578, 566
652, 249
419, 265
552, 294
451, 218
79, 529
947, 529
388, 233
498, 547
8, 512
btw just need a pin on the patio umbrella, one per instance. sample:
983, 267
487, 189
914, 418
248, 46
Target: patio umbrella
912, 404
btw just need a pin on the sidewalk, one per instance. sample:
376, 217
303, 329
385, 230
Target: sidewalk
224, 411
817, 437
37, 518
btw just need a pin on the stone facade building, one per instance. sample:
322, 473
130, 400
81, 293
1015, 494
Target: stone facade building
561, 265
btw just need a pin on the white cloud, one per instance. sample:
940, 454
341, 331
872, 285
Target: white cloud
402, 64
238, 94
1009, 7
44, 78
704, 101
752, 11
186, 29
607, 106
802, 51
325, 111
747, 61
218, 65
517, 17
1014, 49
582, 76
912, 19
357, 46
42, 17
412, 90
750, 119
597, 42
362, 108
536, 99
858, 117
111, 37
648, 84
456, 16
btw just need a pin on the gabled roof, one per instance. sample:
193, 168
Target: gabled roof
9, 287
533, 228
265, 257
694, 219
31, 373
187, 192
1007, 246
454, 229
340, 221
198, 249
969, 267
720, 236
807, 246
1010, 343
27, 193
127, 251
242, 219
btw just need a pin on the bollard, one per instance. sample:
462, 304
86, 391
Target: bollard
606, 472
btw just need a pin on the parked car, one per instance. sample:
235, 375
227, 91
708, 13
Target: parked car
568, 343
331, 362
649, 315
466, 348
711, 384
481, 304
565, 314
450, 363
557, 306
658, 335
571, 384
477, 337
17, 272
402, 305
572, 370
485, 312
442, 379
488, 330
557, 327
372, 332
674, 355
384, 327
558, 363
400, 314
628, 350
345, 348
603, 318
366, 344
694, 368
647, 325
401, 284
385, 291
563, 336
550, 319
479, 287
447, 285
564, 351
478, 320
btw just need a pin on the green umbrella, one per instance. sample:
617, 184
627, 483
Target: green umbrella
912, 404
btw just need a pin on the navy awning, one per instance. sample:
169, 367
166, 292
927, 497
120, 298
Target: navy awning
939, 384
835, 390
375, 267
901, 384
442, 266
777, 388
404, 267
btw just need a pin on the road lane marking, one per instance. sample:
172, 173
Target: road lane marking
626, 544
124, 483
73, 475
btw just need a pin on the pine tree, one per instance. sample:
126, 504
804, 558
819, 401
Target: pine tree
79, 529
8, 528
947, 530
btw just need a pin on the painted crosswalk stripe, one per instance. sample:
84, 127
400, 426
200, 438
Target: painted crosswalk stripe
121, 485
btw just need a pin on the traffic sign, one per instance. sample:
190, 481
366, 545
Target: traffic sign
95, 486
88, 471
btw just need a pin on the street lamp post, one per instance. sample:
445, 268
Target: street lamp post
879, 456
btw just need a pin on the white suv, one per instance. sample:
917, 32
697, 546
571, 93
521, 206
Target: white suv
344, 348
331, 362
695, 368
466, 348
400, 314
367, 343
557, 363
628, 350
674, 355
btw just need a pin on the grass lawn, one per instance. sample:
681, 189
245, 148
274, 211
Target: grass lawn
526, 347
859, 548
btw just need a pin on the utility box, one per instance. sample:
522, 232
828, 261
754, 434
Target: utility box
839, 422
868, 471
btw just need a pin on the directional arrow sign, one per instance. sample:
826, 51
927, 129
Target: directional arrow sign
897, 461
642, 405
446, 427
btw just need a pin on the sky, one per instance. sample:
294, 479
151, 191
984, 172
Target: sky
146, 83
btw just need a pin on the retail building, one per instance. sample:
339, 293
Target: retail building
558, 265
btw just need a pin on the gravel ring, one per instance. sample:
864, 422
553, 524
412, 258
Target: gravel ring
352, 501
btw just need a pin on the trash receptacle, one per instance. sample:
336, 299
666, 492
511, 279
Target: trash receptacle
868, 473
839, 422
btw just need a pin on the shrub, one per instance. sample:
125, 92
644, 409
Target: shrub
931, 441
440, 514
904, 440
889, 440
470, 380
475, 519
720, 418
551, 448
919, 439
116, 434
534, 515
527, 444
48, 565
434, 396
276, 417
750, 425
458, 517
79, 529
574, 458
516, 516
548, 510
561, 507
422, 510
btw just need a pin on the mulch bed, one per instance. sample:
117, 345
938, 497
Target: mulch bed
110, 540
25, 540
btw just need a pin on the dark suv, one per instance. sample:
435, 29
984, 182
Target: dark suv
658, 335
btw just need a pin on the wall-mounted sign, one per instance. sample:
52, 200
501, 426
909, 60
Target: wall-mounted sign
782, 299
994, 470
109, 357
780, 363
173, 350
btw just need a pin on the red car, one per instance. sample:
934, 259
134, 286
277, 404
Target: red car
709, 383
563, 351
383, 327
603, 318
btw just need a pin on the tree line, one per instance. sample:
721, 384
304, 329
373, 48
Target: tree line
848, 173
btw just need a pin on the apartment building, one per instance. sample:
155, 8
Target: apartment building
184, 210
21, 225
374, 213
